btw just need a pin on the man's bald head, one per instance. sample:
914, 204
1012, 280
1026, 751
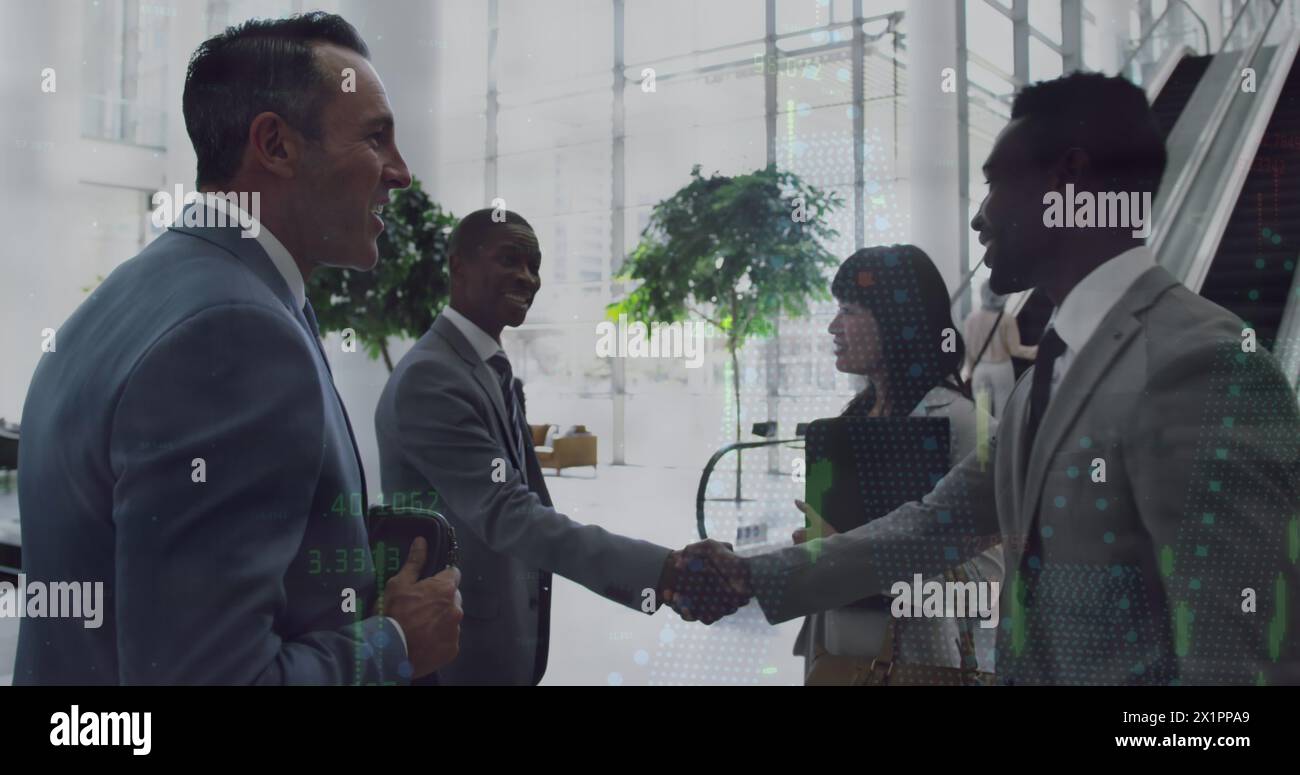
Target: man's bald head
474, 230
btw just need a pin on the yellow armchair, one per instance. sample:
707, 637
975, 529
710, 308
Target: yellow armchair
576, 449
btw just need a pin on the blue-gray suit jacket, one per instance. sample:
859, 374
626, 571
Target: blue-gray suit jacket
195, 349
441, 423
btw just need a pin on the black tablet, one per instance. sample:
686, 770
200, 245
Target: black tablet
861, 468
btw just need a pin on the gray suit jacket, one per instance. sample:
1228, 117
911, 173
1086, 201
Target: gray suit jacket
441, 424
1145, 577
195, 349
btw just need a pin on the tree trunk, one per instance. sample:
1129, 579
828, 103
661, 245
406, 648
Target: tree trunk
383, 350
735, 392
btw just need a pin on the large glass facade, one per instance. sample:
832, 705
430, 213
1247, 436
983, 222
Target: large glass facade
583, 116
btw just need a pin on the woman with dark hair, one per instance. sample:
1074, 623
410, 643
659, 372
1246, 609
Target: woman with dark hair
894, 327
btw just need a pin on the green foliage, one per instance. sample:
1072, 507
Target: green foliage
737, 252
729, 250
401, 296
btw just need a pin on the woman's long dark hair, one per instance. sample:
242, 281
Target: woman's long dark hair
905, 293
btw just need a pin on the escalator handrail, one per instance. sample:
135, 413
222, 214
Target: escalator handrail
1165, 70
1171, 204
1286, 345
1205, 30
708, 470
1216, 222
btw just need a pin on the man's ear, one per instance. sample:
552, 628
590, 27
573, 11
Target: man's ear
274, 146
1070, 168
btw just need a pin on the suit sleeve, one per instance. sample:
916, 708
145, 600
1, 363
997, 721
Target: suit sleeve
443, 433
953, 523
1215, 466
200, 583
964, 419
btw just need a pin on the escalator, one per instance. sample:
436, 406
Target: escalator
1177, 91
1227, 217
1252, 269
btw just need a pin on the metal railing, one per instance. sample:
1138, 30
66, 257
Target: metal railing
713, 462
1151, 39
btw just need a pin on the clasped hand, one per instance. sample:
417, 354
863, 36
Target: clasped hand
705, 581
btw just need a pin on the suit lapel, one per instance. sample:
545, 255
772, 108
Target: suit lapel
251, 255
1014, 421
1079, 385
486, 378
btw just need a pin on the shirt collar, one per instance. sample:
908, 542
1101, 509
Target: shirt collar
482, 342
1088, 303
938, 397
276, 251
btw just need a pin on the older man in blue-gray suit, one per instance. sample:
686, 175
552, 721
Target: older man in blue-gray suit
183, 442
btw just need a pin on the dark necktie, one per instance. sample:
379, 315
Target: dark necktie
1049, 349
505, 377
310, 314
314, 329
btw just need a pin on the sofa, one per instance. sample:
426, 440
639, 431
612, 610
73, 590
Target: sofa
575, 448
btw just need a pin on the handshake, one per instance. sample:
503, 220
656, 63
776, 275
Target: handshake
705, 581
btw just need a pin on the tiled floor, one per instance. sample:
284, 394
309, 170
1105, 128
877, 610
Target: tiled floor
596, 642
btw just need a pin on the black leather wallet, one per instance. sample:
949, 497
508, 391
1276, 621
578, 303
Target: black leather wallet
392, 530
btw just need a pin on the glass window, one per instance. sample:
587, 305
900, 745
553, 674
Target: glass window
989, 35
124, 71
224, 13
794, 15
1044, 62
548, 45
1045, 16
662, 29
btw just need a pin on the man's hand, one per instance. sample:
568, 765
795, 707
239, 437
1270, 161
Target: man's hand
705, 581
428, 611
817, 527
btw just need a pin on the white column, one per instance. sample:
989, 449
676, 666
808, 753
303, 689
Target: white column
35, 133
1112, 26
938, 222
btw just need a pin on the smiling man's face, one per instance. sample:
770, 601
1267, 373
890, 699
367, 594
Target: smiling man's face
495, 284
346, 177
1018, 248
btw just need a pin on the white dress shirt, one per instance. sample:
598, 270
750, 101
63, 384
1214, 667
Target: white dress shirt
1088, 303
482, 342
279, 255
